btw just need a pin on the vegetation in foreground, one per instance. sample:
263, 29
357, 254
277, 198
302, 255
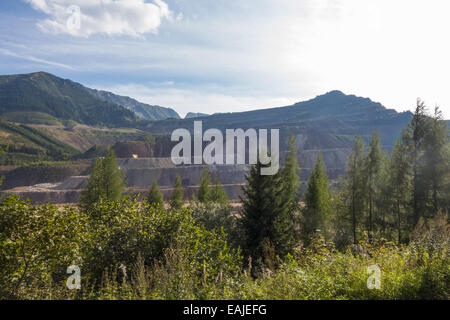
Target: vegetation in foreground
132, 250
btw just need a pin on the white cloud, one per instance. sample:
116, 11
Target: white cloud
34, 59
111, 17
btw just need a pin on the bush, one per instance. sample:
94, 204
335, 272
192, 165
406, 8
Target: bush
132, 250
37, 244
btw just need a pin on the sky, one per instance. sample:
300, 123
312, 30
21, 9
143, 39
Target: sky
235, 55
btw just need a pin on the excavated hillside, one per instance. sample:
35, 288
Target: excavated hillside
67, 182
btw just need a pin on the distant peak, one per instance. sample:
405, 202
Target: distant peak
334, 93
40, 73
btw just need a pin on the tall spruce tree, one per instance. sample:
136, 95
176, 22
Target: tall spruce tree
178, 194
317, 202
155, 197
355, 185
372, 169
264, 216
106, 181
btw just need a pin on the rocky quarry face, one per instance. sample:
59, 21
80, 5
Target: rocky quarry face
140, 174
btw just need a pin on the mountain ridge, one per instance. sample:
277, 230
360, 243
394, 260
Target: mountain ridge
142, 110
64, 99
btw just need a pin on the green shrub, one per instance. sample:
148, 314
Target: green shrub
132, 250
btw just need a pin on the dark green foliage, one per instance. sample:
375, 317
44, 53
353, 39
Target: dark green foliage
155, 197
106, 181
270, 206
177, 200
317, 203
266, 217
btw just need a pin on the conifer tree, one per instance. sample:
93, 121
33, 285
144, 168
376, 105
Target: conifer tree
113, 177
106, 181
317, 201
399, 180
437, 163
355, 185
257, 219
178, 194
383, 214
155, 197
372, 169
291, 175
414, 139
204, 192
266, 216
218, 194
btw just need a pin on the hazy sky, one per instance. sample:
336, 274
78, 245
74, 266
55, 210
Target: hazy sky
235, 55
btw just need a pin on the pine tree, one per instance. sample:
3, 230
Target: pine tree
414, 139
372, 169
317, 201
257, 218
355, 185
218, 194
178, 194
266, 217
437, 162
155, 197
291, 175
399, 180
289, 182
204, 192
383, 215
106, 181
113, 177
